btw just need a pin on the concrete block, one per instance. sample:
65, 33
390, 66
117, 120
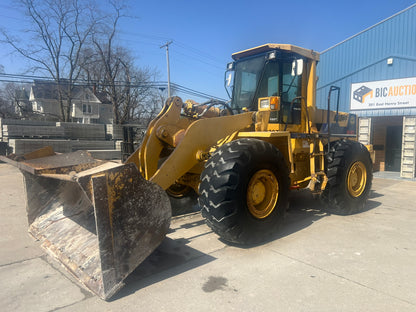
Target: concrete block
91, 145
20, 131
115, 131
409, 138
411, 121
106, 154
408, 161
118, 144
23, 146
408, 153
408, 145
409, 129
76, 131
407, 168
364, 122
406, 175
26, 122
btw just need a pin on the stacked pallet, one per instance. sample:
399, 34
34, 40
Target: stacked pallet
75, 131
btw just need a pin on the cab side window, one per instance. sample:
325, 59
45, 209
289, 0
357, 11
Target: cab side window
291, 88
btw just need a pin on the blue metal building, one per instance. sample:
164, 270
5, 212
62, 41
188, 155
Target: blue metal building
376, 73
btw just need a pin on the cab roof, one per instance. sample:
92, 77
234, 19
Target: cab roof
310, 54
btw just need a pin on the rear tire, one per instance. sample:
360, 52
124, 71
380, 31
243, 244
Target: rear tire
350, 175
244, 191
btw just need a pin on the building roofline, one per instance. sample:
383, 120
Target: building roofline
369, 28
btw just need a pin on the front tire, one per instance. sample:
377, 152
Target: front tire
350, 175
183, 199
244, 191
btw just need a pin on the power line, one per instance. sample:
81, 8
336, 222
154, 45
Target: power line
199, 52
159, 38
20, 78
186, 50
197, 59
196, 93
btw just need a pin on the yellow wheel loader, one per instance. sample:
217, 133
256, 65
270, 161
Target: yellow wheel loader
102, 219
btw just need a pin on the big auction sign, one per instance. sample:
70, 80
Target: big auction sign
384, 94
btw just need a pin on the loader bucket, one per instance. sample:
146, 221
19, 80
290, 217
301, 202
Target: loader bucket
99, 219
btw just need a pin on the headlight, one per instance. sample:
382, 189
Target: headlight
264, 104
271, 103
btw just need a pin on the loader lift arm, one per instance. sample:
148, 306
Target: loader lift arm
191, 138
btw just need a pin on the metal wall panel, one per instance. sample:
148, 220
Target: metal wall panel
363, 57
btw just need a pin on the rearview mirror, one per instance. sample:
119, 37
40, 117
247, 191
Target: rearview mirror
229, 82
229, 79
297, 67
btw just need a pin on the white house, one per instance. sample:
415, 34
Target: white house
85, 106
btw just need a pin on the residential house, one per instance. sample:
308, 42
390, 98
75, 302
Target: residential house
106, 108
85, 106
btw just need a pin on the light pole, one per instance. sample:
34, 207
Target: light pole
167, 61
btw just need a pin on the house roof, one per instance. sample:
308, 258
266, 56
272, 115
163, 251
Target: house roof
103, 97
49, 90
21, 94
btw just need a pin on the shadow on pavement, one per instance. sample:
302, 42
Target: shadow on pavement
303, 211
174, 256
171, 258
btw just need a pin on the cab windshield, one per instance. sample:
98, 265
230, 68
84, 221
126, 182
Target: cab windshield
252, 73
258, 77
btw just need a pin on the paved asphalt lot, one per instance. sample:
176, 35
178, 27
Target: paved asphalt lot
319, 262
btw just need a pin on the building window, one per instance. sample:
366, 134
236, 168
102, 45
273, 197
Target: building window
86, 108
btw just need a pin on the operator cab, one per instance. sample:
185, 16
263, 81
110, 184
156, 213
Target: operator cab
273, 72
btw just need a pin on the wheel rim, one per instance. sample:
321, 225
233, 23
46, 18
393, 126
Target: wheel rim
262, 193
357, 179
178, 190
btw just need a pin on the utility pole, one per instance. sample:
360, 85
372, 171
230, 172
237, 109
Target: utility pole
167, 61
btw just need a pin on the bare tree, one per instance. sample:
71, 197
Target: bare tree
107, 55
60, 29
128, 88
18, 96
72, 41
7, 109
146, 113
